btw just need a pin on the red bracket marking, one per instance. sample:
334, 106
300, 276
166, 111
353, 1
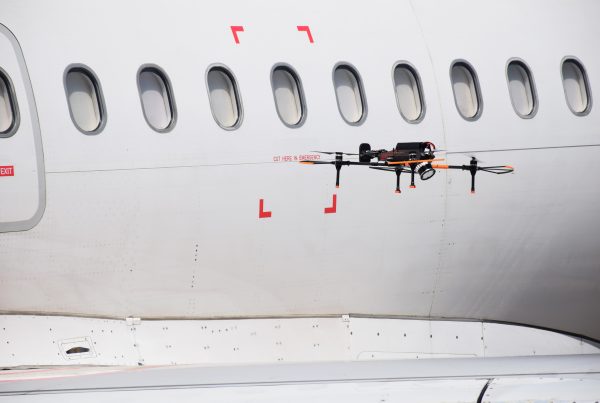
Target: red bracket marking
306, 28
7, 170
234, 30
333, 208
261, 212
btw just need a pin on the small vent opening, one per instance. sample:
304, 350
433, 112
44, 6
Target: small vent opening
77, 350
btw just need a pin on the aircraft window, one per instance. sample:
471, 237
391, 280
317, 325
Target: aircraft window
157, 100
85, 100
576, 86
466, 90
225, 101
349, 94
289, 98
409, 96
521, 88
9, 114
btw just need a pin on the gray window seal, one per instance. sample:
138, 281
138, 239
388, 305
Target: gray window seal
296, 77
238, 96
153, 68
82, 68
469, 67
414, 71
14, 106
586, 82
361, 90
534, 94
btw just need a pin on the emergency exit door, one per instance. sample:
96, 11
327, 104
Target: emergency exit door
22, 175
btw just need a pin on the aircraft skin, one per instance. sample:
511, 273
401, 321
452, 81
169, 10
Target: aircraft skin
131, 222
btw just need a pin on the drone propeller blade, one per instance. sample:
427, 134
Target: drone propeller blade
498, 170
332, 152
413, 161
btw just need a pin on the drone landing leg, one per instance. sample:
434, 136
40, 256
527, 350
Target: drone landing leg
398, 172
412, 176
473, 170
338, 168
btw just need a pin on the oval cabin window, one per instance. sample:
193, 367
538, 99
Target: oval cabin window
577, 90
466, 90
224, 98
157, 98
289, 100
8, 107
85, 100
521, 89
349, 94
409, 96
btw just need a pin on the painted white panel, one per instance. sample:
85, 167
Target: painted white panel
269, 340
6, 106
287, 96
155, 100
520, 88
83, 100
431, 391
408, 95
575, 86
502, 340
564, 389
465, 91
348, 94
223, 98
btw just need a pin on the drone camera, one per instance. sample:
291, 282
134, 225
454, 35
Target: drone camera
425, 171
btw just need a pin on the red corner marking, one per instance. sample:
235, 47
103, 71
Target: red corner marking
333, 208
7, 170
261, 212
234, 30
306, 28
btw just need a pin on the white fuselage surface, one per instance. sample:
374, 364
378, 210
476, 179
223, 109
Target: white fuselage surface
130, 221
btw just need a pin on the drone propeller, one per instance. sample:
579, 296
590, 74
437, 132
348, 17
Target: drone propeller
473, 168
408, 162
333, 153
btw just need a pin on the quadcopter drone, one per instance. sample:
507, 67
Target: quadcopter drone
405, 157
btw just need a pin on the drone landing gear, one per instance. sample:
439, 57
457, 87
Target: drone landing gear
473, 171
398, 172
412, 175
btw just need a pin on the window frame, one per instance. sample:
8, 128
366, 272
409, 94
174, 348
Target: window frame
303, 105
14, 106
410, 67
236, 89
82, 68
534, 93
153, 68
586, 82
361, 90
477, 86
